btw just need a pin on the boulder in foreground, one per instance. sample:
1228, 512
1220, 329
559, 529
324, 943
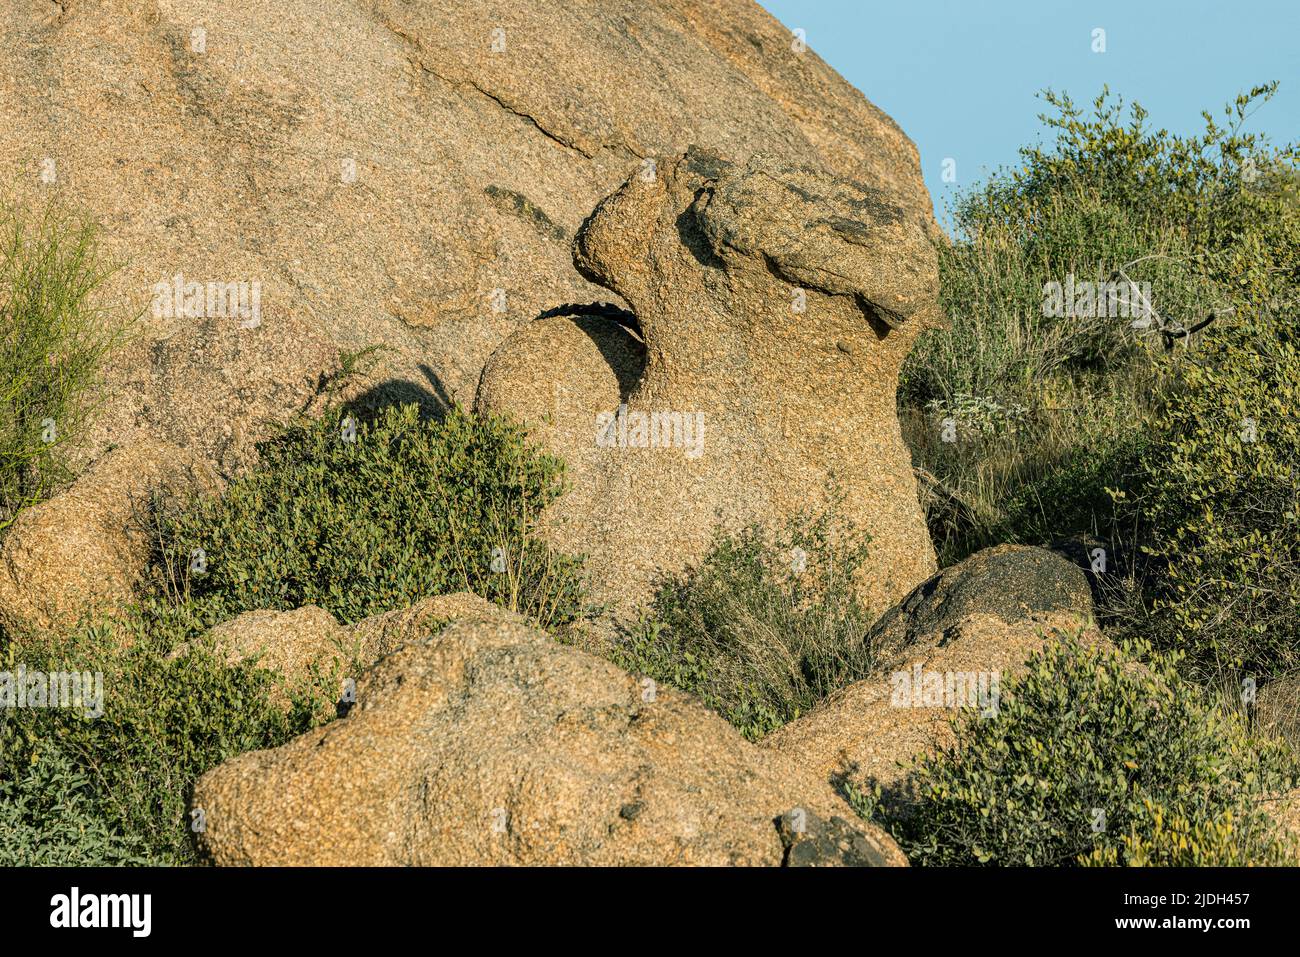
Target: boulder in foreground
492, 744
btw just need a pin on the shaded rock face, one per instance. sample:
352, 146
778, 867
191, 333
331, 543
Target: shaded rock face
774, 305
492, 744
811, 842
1012, 583
393, 172
952, 643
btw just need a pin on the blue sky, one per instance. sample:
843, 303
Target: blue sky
960, 76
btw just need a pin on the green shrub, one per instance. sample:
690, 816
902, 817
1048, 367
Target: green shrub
1092, 757
1209, 221
410, 508
52, 340
112, 789
1218, 502
49, 818
764, 627
406, 509
1045, 480
1159, 839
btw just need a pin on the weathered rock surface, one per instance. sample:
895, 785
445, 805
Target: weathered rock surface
382, 168
774, 304
384, 172
383, 634
952, 643
492, 744
291, 642
83, 552
288, 642
1012, 583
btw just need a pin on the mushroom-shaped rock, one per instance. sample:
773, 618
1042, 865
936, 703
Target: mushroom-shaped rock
771, 308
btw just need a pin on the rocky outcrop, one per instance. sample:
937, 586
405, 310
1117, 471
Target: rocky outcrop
407, 174
492, 744
283, 181
773, 304
952, 643
83, 553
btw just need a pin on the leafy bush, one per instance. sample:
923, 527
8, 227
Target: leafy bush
764, 627
1046, 479
364, 524
1158, 839
1209, 221
1218, 502
52, 340
112, 789
408, 509
49, 818
1092, 757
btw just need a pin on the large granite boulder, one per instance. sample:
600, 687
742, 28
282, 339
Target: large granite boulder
283, 181
490, 743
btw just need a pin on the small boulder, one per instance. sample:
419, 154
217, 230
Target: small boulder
1013, 583
1285, 812
289, 642
383, 634
292, 642
83, 552
952, 643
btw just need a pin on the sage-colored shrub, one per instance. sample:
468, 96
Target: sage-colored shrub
83, 789
49, 818
764, 626
364, 523
1093, 757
